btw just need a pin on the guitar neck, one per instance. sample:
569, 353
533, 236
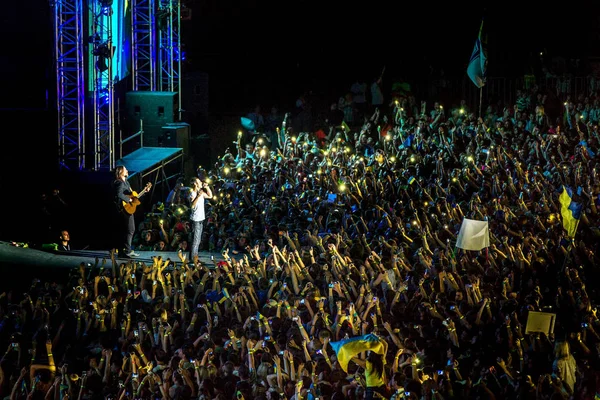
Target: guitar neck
140, 194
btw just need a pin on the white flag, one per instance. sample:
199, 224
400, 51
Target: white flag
540, 322
473, 235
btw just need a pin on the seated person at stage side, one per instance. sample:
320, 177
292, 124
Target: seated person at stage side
63, 243
65, 239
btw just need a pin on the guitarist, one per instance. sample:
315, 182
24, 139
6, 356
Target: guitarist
126, 222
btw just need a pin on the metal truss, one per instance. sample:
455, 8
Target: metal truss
103, 86
169, 23
143, 57
70, 82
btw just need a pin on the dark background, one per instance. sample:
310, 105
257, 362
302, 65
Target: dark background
268, 53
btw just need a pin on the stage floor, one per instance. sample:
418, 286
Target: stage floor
12, 255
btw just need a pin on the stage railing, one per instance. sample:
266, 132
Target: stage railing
139, 134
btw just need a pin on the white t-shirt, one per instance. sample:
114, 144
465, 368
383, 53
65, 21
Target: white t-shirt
197, 213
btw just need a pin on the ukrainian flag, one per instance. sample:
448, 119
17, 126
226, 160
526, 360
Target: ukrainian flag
412, 180
347, 348
570, 211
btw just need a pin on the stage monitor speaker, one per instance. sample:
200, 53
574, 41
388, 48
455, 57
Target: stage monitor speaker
176, 135
155, 109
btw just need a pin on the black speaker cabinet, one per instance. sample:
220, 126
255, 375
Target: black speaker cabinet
153, 108
176, 135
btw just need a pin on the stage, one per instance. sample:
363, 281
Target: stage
19, 256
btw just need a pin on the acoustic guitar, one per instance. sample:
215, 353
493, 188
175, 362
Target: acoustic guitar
135, 197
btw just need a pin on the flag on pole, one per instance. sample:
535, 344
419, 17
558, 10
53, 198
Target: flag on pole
478, 62
347, 348
345, 126
473, 235
570, 211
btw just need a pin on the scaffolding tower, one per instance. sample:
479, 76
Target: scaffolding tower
143, 40
169, 30
70, 82
103, 85
84, 48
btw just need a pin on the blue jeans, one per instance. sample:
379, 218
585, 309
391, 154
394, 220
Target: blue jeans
196, 237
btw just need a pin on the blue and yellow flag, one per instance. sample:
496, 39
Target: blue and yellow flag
570, 211
347, 348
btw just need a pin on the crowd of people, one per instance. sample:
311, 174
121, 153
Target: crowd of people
347, 230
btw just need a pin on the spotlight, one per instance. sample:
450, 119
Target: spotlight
102, 64
102, 51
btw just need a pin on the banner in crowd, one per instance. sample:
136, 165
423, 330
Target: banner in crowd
347, 348
570, 211
473, 235
477, 64
540, 322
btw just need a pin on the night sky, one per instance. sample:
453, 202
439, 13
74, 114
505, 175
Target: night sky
261, 50
273, 47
